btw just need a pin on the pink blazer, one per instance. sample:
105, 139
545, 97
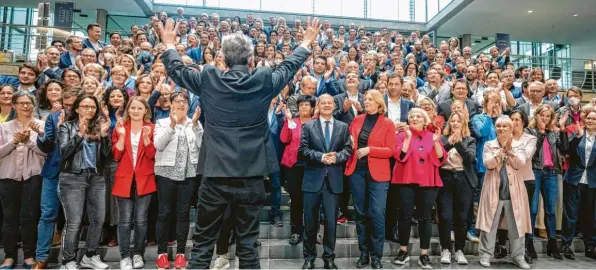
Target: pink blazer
290, 137
420, 165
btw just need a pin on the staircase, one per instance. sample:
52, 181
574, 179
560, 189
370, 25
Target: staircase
275, 242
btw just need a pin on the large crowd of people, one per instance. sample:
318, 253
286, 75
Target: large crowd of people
101, 135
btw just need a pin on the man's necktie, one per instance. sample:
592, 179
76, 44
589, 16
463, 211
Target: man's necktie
327, 135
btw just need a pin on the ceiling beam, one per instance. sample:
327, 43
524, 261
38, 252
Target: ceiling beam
447, 13
146, 6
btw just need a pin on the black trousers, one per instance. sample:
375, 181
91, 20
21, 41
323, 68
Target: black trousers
295, 176
344, 199
21, 208
453, 201
223, 242
422, 198
392, 205
246, 197
579, 207
170, 205
312, 203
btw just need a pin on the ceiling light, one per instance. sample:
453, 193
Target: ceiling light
575, 15
530, 11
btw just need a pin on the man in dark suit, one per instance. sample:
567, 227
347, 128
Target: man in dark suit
75, 46
325, 146
459, 92
237, 152
536, 92
397, 110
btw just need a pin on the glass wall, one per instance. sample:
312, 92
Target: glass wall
394, 10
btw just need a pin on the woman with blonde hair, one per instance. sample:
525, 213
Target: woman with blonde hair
419, 154
436, 121
546, 165
459, 184
91, 86
369, 170
119, 76
129, 62
94, 70
144, 86
503, 193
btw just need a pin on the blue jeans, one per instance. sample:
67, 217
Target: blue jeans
370, 199
275, 193
547, 185
49, 214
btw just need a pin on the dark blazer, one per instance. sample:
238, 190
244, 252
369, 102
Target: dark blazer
47, 144
405, 106
444, 108
311, 150
467, 150
235, 104
51, 74
520, 101
340, 114
526, 107
558, 145
577, 163
363, 85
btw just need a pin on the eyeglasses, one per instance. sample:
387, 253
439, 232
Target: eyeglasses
88, 107
118, 76
24, 103
67, 106
179, 101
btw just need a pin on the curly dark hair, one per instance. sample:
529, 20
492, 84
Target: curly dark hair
106, 96
42, 98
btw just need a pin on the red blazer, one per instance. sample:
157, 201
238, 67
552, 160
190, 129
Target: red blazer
381, 143
143, 172
290, 137
420, 165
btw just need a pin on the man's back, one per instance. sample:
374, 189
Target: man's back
235, 103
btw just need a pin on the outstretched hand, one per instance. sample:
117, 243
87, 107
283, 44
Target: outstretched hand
169, 33
313, 28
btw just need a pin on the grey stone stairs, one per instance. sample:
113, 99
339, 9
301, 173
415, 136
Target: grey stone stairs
275, 242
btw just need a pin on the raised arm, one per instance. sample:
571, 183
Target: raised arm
182, 75
288, 68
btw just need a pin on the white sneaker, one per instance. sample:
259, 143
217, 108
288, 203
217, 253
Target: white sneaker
520, 262
221, 263
137, 261
126, 264
485, 261
69, 266
93, 262
460, 258
446, 256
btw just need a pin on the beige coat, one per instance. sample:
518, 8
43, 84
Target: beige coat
489, 198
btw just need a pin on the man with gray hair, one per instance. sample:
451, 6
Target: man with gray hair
237, 152
307, 88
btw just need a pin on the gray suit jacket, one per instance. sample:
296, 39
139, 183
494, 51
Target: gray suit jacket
237, 141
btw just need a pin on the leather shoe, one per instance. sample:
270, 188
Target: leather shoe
568, 253
590, 253
308, 264
363, 261
376, 264
40, 265
330, 264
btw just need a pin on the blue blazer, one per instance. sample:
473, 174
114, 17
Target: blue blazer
275, 125
47, 144
65, 60
577, 159
10, 80
87, 44
311, 150
405, 106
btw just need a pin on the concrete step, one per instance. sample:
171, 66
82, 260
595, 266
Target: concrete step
281, 249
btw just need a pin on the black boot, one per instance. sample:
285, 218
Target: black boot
552, 250
530, 247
